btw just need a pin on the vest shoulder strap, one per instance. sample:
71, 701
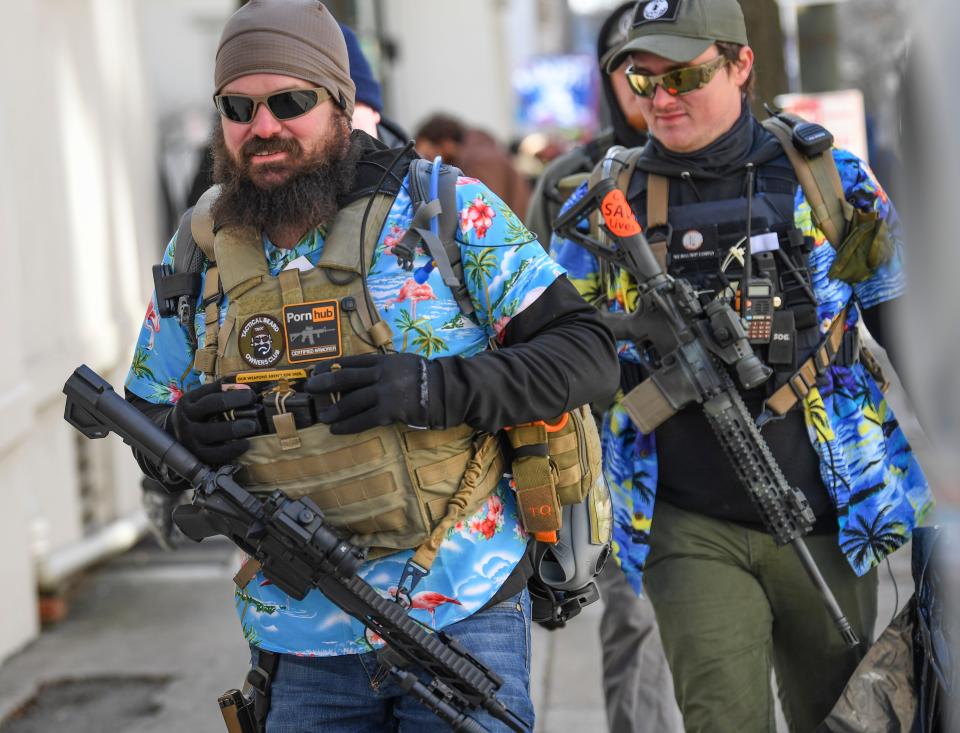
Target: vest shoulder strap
819, 180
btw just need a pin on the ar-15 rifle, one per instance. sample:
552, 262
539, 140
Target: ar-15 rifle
297, 552
687, 346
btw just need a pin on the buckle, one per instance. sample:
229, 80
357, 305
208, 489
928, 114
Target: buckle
662, 233
802, 390
409, 579
184, 311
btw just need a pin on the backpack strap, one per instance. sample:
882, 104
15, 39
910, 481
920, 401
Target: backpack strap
620, 163
658, 197
201, 223
625, 160
819, 180
443, 246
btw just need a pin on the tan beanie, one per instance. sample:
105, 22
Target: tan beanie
298, 38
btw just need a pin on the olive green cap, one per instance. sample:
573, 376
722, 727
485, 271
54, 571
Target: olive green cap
681, 30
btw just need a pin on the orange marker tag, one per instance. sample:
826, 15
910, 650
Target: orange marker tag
618, 215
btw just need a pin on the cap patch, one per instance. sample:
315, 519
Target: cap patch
261, 341
651, 11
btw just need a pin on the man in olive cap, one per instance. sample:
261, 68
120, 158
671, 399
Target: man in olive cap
378, 394
730, 604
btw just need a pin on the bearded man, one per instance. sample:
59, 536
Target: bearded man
383, 369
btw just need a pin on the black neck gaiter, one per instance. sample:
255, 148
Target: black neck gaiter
745, 142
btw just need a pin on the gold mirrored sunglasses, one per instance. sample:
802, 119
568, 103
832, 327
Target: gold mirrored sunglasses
676, 82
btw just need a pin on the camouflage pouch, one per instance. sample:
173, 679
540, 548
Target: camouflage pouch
865, 248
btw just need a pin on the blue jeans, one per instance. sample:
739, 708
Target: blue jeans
350, 694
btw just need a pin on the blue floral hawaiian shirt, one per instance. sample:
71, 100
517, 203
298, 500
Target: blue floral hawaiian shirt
865, 462
506, 270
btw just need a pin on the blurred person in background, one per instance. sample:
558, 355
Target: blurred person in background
476, 153
368, 112
637, 687
628, 127
287, 223
731, 604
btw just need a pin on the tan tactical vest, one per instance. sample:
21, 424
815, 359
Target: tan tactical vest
390, 488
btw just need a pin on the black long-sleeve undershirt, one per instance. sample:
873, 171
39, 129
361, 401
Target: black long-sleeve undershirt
556, 355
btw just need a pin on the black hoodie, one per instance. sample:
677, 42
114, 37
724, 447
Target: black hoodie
623, 133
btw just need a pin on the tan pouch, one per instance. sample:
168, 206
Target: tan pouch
560, 473
575, 454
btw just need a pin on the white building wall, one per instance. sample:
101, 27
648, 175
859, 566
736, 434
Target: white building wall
453, 57
77, 215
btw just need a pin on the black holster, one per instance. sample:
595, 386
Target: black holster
246, 712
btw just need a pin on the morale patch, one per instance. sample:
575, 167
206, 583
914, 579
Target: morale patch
272, 376
692, 240
312, 330
261, 341
652, 11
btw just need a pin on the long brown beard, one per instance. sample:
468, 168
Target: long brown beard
305, 199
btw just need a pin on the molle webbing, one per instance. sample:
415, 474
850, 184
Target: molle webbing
480, 478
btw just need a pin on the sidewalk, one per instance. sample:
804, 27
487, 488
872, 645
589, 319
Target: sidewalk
151, 641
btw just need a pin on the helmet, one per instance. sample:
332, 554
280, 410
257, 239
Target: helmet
563, 579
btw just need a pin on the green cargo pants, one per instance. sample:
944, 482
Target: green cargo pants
730, 603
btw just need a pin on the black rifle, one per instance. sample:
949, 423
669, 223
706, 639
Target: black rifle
297, 552
687, 347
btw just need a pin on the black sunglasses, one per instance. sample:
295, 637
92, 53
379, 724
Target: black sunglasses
286, 105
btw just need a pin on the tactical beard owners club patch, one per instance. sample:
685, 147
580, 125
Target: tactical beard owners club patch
261, 341
312, 330
656, 10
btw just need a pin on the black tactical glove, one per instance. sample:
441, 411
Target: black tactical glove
198, 423
374, 389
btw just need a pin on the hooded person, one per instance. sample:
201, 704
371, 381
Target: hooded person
627, 127
323, 364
